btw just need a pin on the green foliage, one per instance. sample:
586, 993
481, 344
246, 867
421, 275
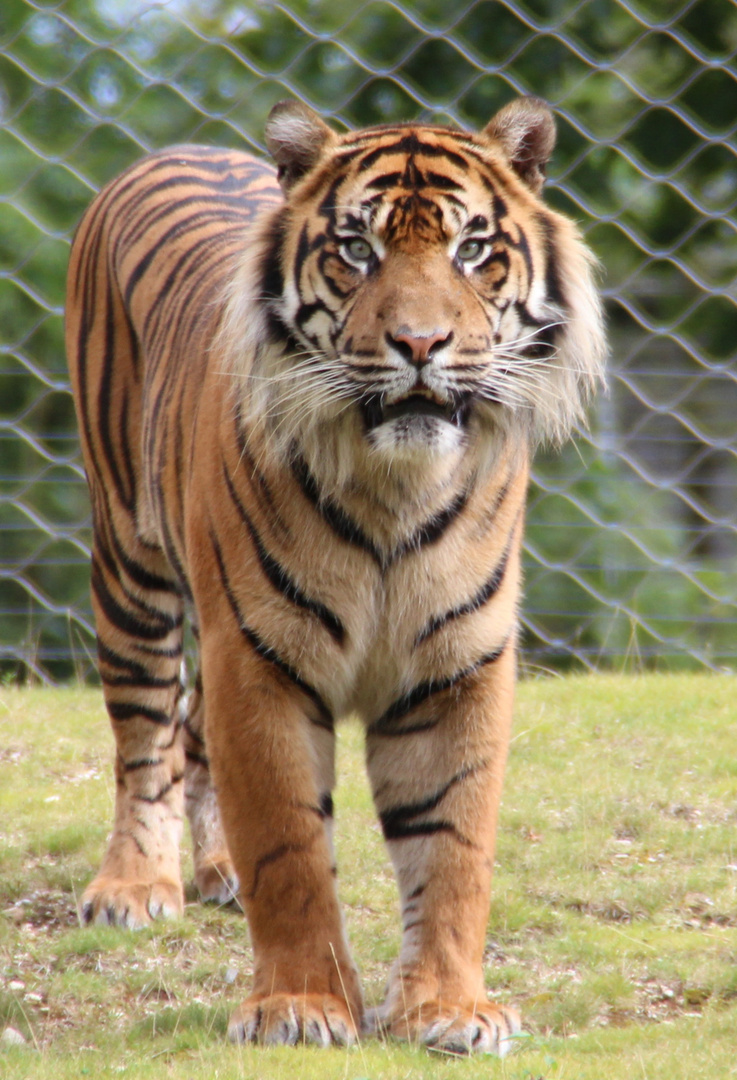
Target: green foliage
645, 99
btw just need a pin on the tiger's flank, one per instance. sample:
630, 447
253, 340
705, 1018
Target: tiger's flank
307, 400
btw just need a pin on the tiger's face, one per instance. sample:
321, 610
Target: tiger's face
414, 284
418, 295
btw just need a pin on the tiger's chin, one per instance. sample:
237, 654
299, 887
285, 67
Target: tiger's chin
416, 439
416, 428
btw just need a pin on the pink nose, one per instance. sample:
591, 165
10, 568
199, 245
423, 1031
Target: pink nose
419, 350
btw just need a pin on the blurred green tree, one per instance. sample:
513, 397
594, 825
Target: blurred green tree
632, 537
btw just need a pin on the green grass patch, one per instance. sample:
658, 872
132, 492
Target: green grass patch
613, 923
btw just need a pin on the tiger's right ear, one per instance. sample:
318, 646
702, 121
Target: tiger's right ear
295, 136
525, 128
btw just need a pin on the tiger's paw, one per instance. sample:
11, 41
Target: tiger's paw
216, 879
290, 1019
484, 1028
111, 901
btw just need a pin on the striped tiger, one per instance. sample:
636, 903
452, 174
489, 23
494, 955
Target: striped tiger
307, 402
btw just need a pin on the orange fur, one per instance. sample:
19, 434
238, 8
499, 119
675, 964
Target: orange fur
308, 419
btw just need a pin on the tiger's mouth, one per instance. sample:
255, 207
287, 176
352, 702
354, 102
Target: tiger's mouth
377, 412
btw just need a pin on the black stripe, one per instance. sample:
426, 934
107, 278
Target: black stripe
327, 267
396, 823
432, 530
147, 609
477, 223
484, 594
329, 206
342, 525
279, 578
126, 620
303, 251
138, 675
522, 246
127, 710
82, 342
326, 805
194, 735
272, 857
142, 763
496, 259
553, 287
444, 183
167, 537
396, 732
140, 847
411, 144
403, 830
145, 681
161, 793
382, 183
272, 279
197, 759
305, 313
345, 157
174, 736
123, 440
259, 646
421, 693
125, 494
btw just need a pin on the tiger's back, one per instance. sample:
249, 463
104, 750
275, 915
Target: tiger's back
154, 251
308, 417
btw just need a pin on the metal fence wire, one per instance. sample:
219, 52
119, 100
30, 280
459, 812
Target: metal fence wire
632, 534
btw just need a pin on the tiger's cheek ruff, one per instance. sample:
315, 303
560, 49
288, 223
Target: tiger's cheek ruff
308, 414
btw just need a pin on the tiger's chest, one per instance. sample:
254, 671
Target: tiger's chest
359, 598
363, 621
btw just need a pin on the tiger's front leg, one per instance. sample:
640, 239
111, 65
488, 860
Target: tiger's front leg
271, 751
438, 802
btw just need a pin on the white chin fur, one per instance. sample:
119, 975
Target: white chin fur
416, 438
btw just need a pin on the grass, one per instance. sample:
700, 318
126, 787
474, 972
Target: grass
613, 923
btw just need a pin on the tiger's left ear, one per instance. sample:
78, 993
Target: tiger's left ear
296, 137
526, 130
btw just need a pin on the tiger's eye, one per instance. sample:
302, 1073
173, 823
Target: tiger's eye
469, 250
358, 249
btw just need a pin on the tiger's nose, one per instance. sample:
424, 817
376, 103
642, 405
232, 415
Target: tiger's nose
418, 349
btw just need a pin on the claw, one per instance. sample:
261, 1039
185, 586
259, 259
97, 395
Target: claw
286, 1020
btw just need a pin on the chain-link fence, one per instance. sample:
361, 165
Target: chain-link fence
632, 537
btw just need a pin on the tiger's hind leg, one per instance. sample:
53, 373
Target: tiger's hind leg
214, 874
138, 610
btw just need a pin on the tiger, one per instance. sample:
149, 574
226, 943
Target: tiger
308, 397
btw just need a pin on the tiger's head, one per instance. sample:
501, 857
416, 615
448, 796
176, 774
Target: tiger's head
414, 301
